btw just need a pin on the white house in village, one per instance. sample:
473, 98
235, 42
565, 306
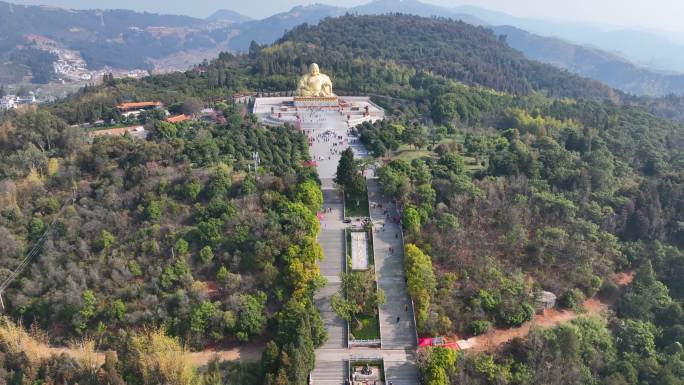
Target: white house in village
8, 102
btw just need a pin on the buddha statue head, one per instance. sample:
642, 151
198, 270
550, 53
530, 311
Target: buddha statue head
314, 70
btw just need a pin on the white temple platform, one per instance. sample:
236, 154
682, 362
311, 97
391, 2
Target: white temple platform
353, 110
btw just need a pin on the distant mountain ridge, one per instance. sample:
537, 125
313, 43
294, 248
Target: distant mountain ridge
126, 39
270, 29
413, 7
117, 38
646, 48
227, 15
606, 67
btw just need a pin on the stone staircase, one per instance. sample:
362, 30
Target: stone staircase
401, 373
329, 373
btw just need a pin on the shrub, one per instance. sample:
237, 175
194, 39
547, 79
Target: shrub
191, 190
571, 299
478, 327
103, 241
206, 254
36, 228
181, 247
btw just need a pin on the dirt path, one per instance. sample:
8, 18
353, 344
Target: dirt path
549, 318
243, 353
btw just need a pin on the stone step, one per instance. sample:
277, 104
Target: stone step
329, 373
401, 373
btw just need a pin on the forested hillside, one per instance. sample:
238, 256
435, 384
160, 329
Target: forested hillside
505, 192
460, 51
559, 197
511, 196
171, 232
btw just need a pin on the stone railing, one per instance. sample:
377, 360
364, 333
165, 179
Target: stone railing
353, 343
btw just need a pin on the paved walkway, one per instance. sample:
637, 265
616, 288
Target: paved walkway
396, 316
398, 338
331, 239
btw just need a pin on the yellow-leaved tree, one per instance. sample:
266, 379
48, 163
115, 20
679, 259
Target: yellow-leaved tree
161, 359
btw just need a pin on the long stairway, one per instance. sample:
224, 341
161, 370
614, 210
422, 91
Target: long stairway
331, 239
398, 338
396, 315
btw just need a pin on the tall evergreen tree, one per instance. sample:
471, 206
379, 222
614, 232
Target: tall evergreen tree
346, 169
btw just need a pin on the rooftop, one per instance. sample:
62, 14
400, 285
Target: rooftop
138, 105
178, 118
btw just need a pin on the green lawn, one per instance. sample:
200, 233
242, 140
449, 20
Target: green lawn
356, 206
408, 154
369, 330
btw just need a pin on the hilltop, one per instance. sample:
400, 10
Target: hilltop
456, 50
229, 16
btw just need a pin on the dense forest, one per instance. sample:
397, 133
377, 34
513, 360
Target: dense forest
27, 62
172, 232
519, 195
513, 178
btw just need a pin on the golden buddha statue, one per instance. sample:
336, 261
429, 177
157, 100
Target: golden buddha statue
315, 84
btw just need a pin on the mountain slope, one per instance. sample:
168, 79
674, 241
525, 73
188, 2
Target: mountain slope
116, 38
127, 40
656, 50
271, 28
460, 51
604, 66
608, 68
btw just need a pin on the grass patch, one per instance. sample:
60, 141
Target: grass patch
367, 329
408, 154
472, 164
347, 236
357, 205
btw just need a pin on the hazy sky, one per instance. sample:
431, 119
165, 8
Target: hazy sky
656, 14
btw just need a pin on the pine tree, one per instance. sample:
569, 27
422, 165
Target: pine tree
346, 169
